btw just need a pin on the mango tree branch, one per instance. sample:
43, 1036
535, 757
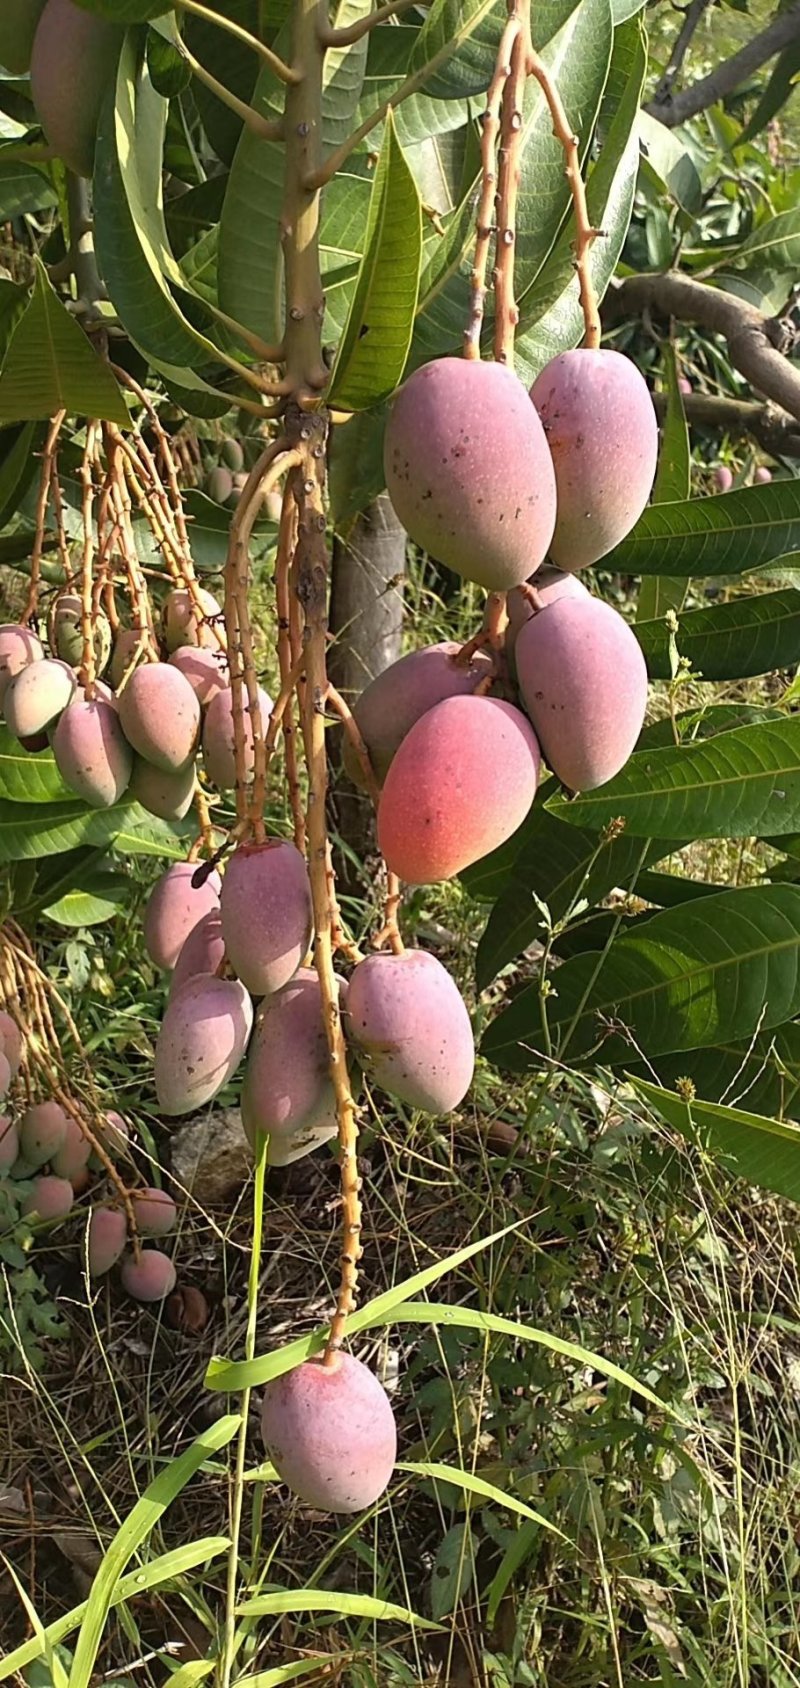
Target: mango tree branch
691, 18
774, 429
266, 128
284, 72
751, 338
506, 314
331, 37
677, 108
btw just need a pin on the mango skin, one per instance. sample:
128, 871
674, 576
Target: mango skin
469, 471
206, 671
182, 625
73, 60
602, 432
461, 783
108, 1234
409, 1025
18, 23
50, 1198
65, 632
18, 648
549, 584
5, 1076
154, 1211
9, 1143
287, 1091
173, 910
168, 795
42, 1132
266, 914
160, 715
202, 1039
202, 951
36, 696
150, 1278
218, 750
389, 706
72, 1156
583, 681
330, 1433
92, 754
10, 1041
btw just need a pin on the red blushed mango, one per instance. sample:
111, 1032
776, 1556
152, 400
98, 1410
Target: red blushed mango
469, 471
389, 706
603, 435
108, 1234
461, 783
72, 1156
149, 1278
266, 914
154, 1211
219, 752
73, 61
202, 1039
583, 681
92, 754
168, 795
409, 1026
174, 908
160, 715
10, 1041
35, 697
50, 1198
18, 648
287, 1091
203, 951
9, 1143
330, 1433
206, 671
42, 1132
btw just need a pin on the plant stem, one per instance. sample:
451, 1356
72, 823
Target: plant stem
585, 235
331, 37
266, 128
483, 222
508, 176
282, 71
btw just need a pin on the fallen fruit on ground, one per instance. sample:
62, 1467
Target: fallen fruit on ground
330, 1433
410, 1028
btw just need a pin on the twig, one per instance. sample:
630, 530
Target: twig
87, 629
284, 72
691, 18
41, 513
508, 176
353, 732
774, 429
483, 223
264, 128
289, 663
585, 235
730, 73
331, 37
390, 930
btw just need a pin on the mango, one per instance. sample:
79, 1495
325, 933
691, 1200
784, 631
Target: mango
91, 752
330, 1433
287, 1091
202, 1039
42, 1132
389, 706
182, 624
203, 951
36, 696
73, 60
154, 1211
410, 1029
266, 914
10, 1041
206, 671
173, 910
9, 1143
65, 632
108, 1234
18, 21
218, 744
126, 647
73, 1153
160, 715
18, 648
166, 794
150, 1278
50, 1198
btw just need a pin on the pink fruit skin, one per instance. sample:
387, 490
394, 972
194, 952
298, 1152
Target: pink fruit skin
91, 752
174, 908
71, 1158
18, 647
149, 1278
5, 1076
108, 1234
602, 432
10, 1041
469, 472
202, 952
583, 681
9, 1143
461, 783
50, 1198
723, 478
218, 748
160, 715
396, 698
410, 1026
763, 475
266, 914
287, 1091
154, 1211
330, 1432
205, 670
202, 1039
43, 1131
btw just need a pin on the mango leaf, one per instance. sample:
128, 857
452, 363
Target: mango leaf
659, 593
233, 63
374, 346
456, 47
356, 466
764, 1151
250, 265
91, 904
29, 778
778, 89
18, 467
29, 831
24, 189
732, 533
742, 782
722, 968
728, 641
762, 1073
774, 245
50, 365
668, 165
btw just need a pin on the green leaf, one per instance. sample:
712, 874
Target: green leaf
728, 641
24, 189
233, 63
141, 1520
49, 365
327, 1600
667, 163
125, 11
356, 466
28, 778
774, 245
778, 89
373, 349
230, 1376
286, 1673
742, 782
764, 1071
473, 1484
658, 594
456, 47
250, 269
452, 1570
92, 904
764, 1151
19, 465
731, 533
723, 968
29, 831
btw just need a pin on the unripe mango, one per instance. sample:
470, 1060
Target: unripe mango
603, 435
182, 624
266, 914
202, 1039
65, 632
36, 697
72, 1156
18, 21
202, 952
583, 681
218, 741
92, 754
18, 648
469, 472
127, 647
73, 60
206, 671
10, 1041
461, 783
168, 795
409, 1024
232, 456
108, 1234
42, 1132
219, 485
9, 1143
50, 1198
150, 1278
723, 478
287, 1091
396, 698
174, 908
330, 1433
154, 1211
160, 715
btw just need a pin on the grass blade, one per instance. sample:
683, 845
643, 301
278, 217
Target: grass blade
474, 1485
326, 1600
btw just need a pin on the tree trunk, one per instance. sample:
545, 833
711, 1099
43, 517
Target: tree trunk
366, 620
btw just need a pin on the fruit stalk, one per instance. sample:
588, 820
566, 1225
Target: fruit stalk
585, 234
506, 314
87, 630
483, 222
